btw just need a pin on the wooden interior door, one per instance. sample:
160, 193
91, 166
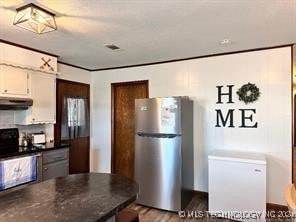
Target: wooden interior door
79, 147
123, 132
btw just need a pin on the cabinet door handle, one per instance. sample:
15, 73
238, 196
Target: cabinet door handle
5, 90
257, 170
33, 119
45, 168
17, 101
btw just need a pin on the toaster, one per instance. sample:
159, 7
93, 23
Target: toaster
38, 138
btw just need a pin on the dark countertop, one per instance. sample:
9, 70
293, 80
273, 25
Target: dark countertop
21, 150
80, 197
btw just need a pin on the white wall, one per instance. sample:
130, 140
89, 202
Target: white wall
269, 69
74, 74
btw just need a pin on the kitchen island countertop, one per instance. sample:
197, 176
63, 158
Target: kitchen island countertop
80, 197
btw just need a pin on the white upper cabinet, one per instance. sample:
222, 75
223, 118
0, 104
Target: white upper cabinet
14, 82
44, 101
44, 98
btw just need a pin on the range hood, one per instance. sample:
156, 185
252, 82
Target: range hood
9, 103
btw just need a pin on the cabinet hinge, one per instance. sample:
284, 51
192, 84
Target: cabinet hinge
28, 91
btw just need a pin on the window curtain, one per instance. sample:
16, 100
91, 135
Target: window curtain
75, 118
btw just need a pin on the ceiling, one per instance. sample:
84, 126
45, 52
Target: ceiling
150, 31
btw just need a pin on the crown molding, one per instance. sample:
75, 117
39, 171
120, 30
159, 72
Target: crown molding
150, 63
195, 57
28, 48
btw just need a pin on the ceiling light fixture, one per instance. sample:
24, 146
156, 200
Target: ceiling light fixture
35, 19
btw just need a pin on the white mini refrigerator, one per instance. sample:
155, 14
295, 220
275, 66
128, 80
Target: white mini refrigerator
237, 184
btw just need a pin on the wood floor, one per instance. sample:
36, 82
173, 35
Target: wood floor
198, 204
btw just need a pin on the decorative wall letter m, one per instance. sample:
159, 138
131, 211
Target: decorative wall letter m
224, 121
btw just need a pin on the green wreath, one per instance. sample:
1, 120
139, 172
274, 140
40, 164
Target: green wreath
248, 93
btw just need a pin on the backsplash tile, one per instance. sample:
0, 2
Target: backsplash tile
7, 121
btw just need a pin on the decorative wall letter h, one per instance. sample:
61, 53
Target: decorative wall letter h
229, 94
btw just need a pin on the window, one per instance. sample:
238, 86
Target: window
75, 119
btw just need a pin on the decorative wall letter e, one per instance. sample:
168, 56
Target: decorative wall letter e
250, 117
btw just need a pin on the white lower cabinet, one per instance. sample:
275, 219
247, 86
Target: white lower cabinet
55, 163
43, 91
237, 185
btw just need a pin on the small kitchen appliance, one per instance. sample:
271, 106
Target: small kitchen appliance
38, 138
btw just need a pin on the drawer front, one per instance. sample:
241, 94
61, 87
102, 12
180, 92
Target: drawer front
56, 169
55, 155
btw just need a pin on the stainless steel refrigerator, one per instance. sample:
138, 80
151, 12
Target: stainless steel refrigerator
164, 152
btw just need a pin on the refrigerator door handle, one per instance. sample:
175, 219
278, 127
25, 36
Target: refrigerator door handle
158, 135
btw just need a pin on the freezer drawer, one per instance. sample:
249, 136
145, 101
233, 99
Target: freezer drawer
237, 186
158, 171
158, 115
